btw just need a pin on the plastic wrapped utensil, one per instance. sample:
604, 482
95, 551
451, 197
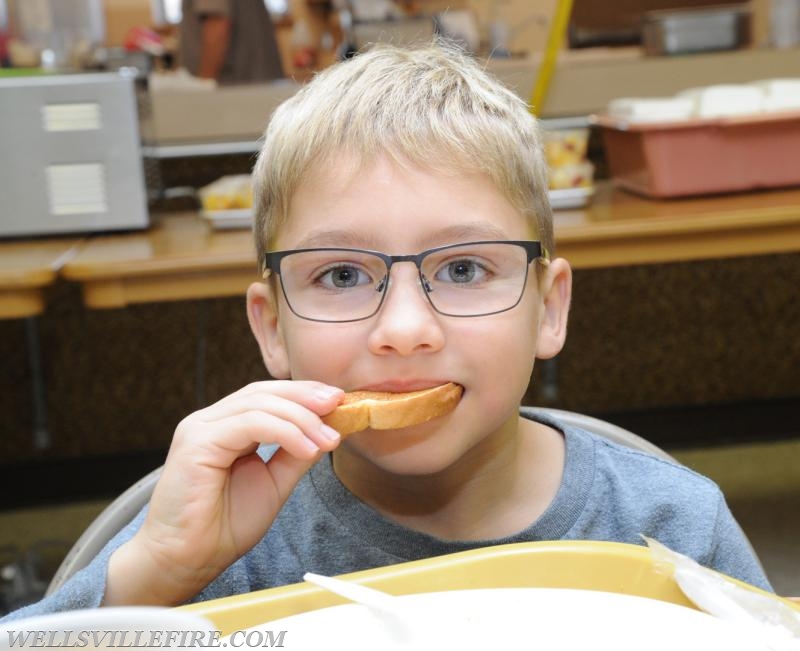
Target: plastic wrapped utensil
766, 616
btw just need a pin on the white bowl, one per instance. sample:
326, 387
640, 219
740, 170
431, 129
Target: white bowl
508, 619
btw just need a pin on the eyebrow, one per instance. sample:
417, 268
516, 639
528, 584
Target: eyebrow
347, 238
466, 232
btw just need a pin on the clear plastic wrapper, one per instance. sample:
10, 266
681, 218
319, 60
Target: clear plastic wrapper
766, 617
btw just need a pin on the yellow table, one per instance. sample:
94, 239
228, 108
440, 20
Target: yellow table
181, 257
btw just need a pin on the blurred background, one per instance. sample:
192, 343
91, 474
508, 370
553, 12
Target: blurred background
671, 131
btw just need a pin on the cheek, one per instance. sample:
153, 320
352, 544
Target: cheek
321, 351
501, 347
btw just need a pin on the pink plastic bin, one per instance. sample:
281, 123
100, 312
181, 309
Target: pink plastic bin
707, 156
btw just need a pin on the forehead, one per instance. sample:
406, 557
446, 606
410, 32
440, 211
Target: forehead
397, 206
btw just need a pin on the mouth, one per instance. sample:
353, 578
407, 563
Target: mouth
405, 386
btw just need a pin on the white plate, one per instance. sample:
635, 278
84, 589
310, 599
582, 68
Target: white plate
509, 619
570, 197
102, 628
228, 219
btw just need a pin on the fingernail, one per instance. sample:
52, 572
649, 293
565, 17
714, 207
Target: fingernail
310, 445
328, 392
329, 433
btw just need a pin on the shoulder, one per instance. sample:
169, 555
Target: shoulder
626, 492
619, 457
620, 463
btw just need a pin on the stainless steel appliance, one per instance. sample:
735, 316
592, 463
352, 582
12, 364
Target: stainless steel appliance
70, 156
698, 29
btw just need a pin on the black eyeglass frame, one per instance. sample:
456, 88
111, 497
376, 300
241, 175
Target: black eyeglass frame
534, 250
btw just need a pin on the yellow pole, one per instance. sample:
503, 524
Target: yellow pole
555, 38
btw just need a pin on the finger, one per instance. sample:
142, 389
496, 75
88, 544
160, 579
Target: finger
307, 421
267, 402
316, 396
286, 471
220, 443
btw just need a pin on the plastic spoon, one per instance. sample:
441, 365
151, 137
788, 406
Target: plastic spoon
386, 606
374, 599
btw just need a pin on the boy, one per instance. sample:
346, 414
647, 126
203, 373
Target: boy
420, 155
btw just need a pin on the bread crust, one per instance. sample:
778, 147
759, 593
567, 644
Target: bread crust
361, 410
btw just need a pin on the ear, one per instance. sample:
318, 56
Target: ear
556, 291
262, 313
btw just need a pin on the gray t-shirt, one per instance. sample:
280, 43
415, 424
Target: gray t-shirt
252, 54
608, 492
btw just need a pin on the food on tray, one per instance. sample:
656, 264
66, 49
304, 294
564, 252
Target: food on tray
572, 176
565, 151
382, 410
233, 192
565, 146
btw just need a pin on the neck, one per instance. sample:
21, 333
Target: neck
496, 489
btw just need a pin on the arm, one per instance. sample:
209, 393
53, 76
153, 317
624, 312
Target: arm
216, 497
215, 38
732, 553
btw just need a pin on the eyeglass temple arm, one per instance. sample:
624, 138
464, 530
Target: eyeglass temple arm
544, 256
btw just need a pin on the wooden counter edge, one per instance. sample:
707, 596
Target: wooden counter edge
82, 271
21, 303
118, 292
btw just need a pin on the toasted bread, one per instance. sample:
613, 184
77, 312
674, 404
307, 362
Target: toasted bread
361, 410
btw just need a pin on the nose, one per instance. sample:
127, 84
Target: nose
406, 324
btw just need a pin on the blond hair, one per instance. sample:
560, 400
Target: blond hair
432, 106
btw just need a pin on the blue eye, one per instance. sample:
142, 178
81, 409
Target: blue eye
343, 277
461, 272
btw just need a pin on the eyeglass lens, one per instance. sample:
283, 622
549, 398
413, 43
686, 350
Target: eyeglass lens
463, 280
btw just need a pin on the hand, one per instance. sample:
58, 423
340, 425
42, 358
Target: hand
216, 497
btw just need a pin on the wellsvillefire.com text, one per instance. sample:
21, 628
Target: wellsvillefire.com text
247, 639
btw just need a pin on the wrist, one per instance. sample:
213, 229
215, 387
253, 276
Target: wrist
137, 577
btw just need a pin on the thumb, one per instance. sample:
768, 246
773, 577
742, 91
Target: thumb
286, 470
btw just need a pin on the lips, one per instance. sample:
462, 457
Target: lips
403, 386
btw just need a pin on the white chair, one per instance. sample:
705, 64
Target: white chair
128, 504
606, 430
104, 527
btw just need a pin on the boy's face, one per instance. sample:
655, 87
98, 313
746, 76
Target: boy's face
407, 345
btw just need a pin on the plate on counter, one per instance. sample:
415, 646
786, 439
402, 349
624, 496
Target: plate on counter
228, 219
571, 197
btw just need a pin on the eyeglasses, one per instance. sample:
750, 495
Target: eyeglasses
341, 285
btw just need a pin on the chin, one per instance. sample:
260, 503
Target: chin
402, 453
